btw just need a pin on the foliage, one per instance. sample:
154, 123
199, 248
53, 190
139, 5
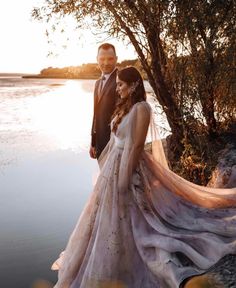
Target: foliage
205, 32
186, 49
85, 71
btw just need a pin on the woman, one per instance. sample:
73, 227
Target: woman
144, 226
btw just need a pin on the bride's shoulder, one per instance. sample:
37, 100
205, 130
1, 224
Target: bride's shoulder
142, 107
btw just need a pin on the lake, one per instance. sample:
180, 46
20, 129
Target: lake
46, 174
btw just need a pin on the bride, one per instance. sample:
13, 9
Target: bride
144, 226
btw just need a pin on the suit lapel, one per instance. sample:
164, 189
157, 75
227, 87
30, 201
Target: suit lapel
106, 86
96, 98
99, 92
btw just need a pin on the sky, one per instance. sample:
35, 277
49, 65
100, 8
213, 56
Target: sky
24, 45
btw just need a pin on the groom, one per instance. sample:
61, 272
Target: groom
105, 98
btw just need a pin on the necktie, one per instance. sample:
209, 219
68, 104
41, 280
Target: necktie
101, 85
99, 96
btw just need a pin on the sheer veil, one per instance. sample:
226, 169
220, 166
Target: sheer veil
141, 127
152, 141
135, 152
156, 161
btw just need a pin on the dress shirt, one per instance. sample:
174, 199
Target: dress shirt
105, 78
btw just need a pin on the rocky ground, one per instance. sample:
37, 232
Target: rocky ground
223, 274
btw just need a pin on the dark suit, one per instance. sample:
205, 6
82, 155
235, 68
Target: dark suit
104, 106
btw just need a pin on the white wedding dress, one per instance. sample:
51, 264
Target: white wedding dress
144, 226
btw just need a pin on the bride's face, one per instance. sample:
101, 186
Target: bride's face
122, 88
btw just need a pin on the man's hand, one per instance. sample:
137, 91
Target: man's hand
92, 152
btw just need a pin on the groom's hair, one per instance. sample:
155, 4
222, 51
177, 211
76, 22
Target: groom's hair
107, 46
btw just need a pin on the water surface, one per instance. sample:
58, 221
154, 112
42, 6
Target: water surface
46, 174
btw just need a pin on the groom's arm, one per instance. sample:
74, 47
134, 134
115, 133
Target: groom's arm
93, 132
92, 150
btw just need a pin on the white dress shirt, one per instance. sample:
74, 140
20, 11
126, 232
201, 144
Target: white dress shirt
106, 76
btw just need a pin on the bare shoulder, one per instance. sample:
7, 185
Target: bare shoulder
143, 109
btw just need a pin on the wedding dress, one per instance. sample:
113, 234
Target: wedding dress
144, 226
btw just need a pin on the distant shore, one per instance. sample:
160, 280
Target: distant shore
85, 71
40, 76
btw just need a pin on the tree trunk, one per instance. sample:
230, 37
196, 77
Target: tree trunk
172, 111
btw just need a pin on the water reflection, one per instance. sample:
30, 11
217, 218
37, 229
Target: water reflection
58, 118
65, 115
45, 174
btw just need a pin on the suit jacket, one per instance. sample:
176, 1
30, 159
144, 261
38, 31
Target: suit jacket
104, 106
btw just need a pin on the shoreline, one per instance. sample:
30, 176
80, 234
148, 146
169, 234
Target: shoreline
93, 77
38, 76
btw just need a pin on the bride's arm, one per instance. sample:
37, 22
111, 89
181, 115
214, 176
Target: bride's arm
139, 133
139, 122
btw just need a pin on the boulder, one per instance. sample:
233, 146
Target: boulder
224, 175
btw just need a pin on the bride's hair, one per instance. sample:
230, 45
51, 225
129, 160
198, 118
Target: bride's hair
132, 77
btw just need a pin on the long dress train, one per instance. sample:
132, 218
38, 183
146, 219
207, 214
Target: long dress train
144, 226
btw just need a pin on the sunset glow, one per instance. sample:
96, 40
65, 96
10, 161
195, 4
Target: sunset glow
24, 46
71, 113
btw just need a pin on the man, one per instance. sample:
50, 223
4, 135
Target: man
105, 98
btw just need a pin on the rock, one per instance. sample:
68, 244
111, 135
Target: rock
225, 271
41, 283
224, 175
203, 281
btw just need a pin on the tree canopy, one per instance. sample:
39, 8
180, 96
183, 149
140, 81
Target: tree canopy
186, 48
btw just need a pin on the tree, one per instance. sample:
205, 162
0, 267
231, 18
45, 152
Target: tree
143, 25
159, 30
207, 29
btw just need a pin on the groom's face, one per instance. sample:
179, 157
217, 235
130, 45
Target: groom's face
106, 59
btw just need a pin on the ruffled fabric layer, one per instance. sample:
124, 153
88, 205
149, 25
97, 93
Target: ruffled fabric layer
144, 226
